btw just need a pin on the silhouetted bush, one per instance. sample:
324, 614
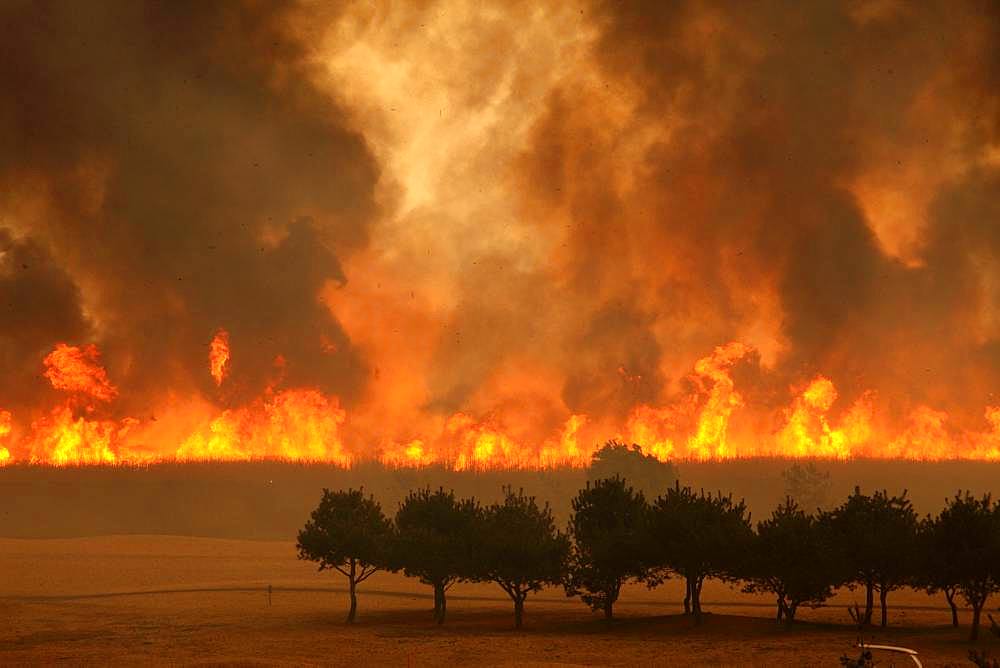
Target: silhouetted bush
642, 471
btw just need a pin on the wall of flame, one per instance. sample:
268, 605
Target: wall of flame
499, 235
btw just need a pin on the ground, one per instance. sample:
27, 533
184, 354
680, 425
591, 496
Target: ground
173, 600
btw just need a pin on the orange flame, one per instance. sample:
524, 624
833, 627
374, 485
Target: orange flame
290, 424
652, 427
60, 438
78, 370
5, 429
808, 431
218, 356
307, 424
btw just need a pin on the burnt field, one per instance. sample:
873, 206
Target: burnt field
271, 499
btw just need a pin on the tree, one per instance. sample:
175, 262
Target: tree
790, 558
348, 533
807, 485
520, 548
644, 472
968, 530
608, 527
877, 540
697, 536
936, 570
435, 539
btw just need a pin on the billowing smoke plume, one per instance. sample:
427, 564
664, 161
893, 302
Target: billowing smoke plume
179, 166
513, 230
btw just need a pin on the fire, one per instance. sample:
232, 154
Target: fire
412, 454
808, 431
302, 423
653, 428
299, 424
78, 370
710, 438
61, 438
218, 356
5, 429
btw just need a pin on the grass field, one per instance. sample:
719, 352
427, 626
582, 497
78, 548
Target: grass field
177, 600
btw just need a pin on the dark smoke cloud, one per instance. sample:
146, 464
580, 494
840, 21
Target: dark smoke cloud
227, 185
775, 109
40, 306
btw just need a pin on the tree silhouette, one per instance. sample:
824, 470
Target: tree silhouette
520, 548
876, 537
790, 558
807, 485
697, 536
968, 530
435, 540
644, 472
348, 533
608, 527
936, 570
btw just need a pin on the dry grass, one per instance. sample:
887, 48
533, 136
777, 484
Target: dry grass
163, 599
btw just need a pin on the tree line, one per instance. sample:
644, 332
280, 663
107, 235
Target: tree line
872, 542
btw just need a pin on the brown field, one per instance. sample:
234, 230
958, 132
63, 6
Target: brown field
178, 600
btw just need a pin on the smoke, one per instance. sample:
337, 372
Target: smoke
516, 212
185, 176
745, 188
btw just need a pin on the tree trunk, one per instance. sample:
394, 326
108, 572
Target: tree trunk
687, 596
883, 594
439, 603
696, 599
790, 610
608, 605
869, 602
354, 597
518, 611
781, 608
444, 606
977, 608
950, 595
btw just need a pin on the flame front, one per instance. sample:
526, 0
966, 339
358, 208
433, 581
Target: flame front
306, 424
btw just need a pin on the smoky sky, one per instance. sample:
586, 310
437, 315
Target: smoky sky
205, 130
777, 108
194, 176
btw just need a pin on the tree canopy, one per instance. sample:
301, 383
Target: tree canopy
609, 531
348, 533
520, 548
967, 534
791, 558
436, 535
697, 536
876, 538
807, 485
644, 472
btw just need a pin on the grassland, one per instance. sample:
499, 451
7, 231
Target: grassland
181, 600
170, 564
